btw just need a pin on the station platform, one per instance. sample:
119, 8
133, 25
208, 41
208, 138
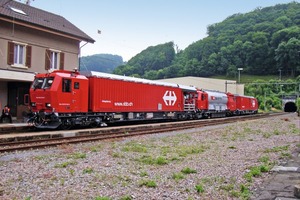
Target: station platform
6, 128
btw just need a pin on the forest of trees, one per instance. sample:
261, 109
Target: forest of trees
261, 42
100, 62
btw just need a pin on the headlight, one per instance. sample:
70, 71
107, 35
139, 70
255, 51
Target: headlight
48, 105
33, 104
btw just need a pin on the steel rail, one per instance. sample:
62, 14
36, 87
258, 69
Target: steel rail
97, 135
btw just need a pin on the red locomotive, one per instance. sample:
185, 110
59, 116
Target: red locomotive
65, 99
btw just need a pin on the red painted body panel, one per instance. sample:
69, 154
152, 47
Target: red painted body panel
231, 104
111, 95
202, 101
246, 103
72, 101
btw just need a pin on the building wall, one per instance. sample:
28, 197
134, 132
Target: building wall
15, 81
40, 41
209, 84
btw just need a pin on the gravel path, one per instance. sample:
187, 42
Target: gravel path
222, 162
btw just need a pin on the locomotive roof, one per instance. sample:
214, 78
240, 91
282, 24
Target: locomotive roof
133, 79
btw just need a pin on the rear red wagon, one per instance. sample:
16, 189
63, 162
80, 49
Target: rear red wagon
246, 104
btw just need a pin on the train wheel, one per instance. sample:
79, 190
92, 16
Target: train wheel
37, 121
94, 125
66, 125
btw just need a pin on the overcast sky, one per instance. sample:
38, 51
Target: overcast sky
130, 26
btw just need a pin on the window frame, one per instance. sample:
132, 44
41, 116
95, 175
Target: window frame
54, 59
66, 85
17, 57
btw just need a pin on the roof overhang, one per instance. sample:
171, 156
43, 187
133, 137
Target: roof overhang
8, 75
40, 28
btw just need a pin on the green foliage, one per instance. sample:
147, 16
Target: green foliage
262, 42
102, 198
153, 161
148, 183
100, 62
77, 155
127, 197
199, 188
149, 62
277, 149
65, 164
178, 176
269, 93
135, 147
188, 170
88, 170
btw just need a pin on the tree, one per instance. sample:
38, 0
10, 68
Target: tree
287, 56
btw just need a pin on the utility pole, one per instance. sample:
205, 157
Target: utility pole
280, 74
240, 69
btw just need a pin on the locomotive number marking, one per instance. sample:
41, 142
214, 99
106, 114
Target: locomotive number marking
170, 98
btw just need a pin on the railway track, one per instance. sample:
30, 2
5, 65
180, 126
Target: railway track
122, 132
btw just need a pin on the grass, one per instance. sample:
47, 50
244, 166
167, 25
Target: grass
77, 155
188, 170
256, 171
146, 159
148, 183
135, 147
178, 176
199, 188
65, 164
183, 151
88, 170
277, 149
102, 198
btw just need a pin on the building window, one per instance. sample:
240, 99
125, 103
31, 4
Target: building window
54, 60
19, 55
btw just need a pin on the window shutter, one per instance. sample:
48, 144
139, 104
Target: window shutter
28, 56
62, 61
10, 53
47, 59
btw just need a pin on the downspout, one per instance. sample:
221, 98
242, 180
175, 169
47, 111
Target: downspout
79, 59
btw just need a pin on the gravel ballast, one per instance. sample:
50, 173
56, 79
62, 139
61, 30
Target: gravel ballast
221, 162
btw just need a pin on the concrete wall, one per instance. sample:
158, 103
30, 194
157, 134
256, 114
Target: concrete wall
209, 83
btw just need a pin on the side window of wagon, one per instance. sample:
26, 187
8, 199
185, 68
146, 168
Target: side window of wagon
67, 84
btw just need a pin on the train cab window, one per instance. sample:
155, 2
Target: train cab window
66, 85
37, 83
202, 97
42, 83
47, 83
76, 85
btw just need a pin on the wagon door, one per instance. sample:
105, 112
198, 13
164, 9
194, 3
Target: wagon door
69, 99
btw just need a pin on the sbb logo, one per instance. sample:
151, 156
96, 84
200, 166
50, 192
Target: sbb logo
170, 98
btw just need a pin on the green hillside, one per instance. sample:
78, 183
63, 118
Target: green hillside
262, 42
100, 62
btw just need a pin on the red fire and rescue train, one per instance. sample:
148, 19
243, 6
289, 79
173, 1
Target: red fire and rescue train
63, 99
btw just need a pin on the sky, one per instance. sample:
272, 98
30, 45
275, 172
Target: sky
130, 26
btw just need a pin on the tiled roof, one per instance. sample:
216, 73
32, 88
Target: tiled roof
34, 16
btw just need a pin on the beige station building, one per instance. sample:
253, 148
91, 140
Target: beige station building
33, 41
209, 84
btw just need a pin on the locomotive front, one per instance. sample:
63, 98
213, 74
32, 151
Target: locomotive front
56, 96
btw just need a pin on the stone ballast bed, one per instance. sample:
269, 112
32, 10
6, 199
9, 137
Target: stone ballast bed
205, 163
